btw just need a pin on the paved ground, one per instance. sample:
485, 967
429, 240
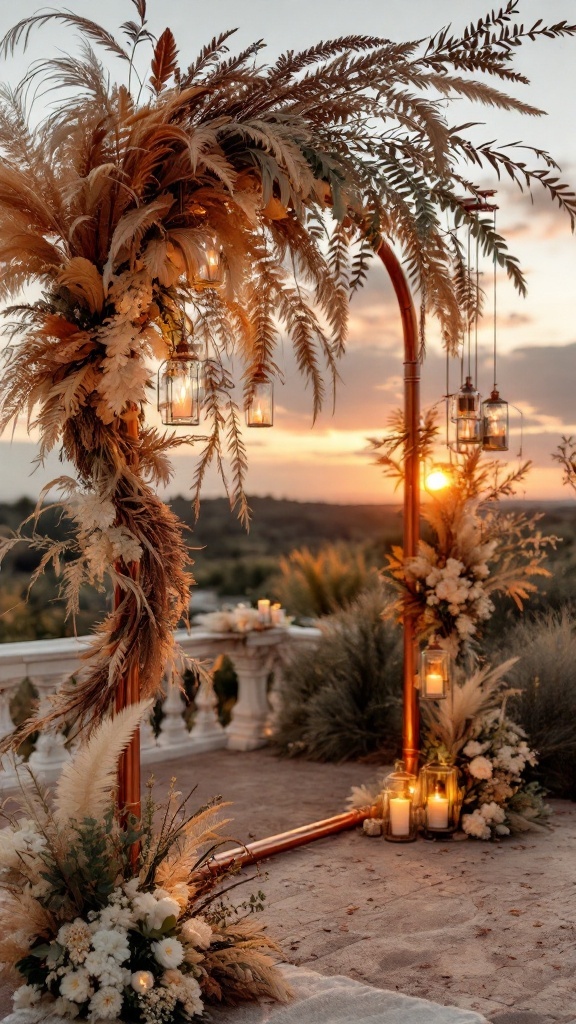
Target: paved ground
483, 926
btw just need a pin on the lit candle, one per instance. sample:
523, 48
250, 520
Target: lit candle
264, 611
437, 812
142, 981
277, 614
434, 684
181, 400
257, 414
400, 815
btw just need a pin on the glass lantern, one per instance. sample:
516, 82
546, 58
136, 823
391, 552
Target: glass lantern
260, 408
179, 387
466, 402
398, 800
439, 799
211, 271
468, 434
495, 424
434, 672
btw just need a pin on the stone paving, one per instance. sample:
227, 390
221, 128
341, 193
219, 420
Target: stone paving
483, 926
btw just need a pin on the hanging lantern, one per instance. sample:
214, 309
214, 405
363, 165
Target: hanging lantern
211, 271
179, 387
398, 798
495, 424
260, 408
434, 672
439, 798
466, 402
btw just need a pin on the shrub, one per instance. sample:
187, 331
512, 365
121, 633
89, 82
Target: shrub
314, 585
546, 707
343, 699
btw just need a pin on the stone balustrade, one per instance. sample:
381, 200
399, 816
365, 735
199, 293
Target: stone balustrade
255, 656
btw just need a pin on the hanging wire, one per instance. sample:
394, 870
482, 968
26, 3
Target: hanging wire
476, 311
494, 298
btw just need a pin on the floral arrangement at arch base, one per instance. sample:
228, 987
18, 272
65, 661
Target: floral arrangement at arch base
84, 935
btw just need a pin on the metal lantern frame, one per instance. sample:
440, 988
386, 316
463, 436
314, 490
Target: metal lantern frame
399, 803
434, 672
466, 402
439, 799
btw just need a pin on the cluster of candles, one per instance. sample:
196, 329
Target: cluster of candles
270, 614
430, 801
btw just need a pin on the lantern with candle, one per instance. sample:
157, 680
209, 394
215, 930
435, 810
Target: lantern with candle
260, 407
398, 800
211, 269
434, 672
495, 424
179, 384
439, 798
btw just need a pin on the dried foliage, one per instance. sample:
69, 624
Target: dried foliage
565, 454
299, 169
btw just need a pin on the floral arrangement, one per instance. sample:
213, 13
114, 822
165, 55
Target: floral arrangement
478, 551
471, 729
86, 933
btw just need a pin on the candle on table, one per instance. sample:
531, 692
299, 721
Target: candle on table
277, 615
437, 811
264, 611
434, 684
400, 815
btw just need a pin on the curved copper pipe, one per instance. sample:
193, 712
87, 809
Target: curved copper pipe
262, 848
410, 721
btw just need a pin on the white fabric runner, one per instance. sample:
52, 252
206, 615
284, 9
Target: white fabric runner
319, 1000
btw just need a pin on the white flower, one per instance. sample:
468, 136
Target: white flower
76, 937
105, 1004
105, 968
475, 825
197, 932
465, 625
112, 943
492, 813
26, 996
76, 986
131, 888
116, 916
65, 1008
166, 907
186, 989
480, 768
473, 748
502, 830
168, 952
143, 904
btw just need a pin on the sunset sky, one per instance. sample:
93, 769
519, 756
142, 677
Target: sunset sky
536, 336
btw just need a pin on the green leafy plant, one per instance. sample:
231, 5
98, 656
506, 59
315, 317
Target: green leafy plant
342, 699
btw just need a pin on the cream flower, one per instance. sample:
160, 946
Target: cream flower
112, 943
197, 932
480, 768
168, 952
105, 1004
25, 997
492, 813
473, 748
165, 908
76, 986
475, 825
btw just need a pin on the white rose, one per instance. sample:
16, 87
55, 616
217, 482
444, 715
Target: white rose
197, 932
165, 907
168, 952
480, 768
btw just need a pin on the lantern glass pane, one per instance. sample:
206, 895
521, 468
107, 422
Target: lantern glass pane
495, 425
260, 409
211, 271
468, 434
434, 673
179, 392
439, 798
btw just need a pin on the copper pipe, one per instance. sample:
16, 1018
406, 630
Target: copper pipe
127, 693
272, 845
410, 721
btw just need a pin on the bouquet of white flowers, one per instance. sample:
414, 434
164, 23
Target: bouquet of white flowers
94, 935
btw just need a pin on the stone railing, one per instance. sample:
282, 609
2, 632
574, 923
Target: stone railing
254, 655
